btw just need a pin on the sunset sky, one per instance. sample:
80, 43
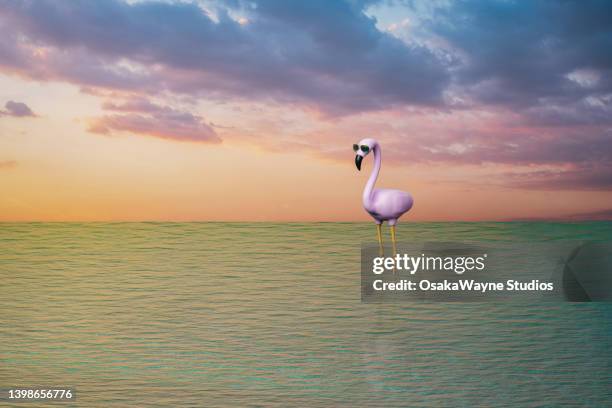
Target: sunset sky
247, 110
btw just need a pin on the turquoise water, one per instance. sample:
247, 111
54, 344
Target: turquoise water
262, 314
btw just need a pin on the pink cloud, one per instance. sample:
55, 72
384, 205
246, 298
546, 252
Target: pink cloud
142, 117
7, 164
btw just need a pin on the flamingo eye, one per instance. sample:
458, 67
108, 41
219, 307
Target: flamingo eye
355, 147
365, 148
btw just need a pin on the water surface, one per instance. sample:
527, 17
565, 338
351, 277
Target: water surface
252, 314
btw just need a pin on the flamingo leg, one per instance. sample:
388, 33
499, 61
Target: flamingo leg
379, 235
393, 240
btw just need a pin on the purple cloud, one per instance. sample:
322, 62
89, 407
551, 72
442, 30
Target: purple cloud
324, 54
543, 68
17, 109
139, 116
328, 55
527, 51
582, 156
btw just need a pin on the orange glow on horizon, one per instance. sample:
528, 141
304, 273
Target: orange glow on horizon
61, 172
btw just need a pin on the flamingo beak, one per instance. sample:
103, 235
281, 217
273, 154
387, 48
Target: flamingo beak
358, 160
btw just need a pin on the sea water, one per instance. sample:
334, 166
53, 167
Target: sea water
269, 314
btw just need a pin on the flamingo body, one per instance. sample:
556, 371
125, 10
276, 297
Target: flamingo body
388, 205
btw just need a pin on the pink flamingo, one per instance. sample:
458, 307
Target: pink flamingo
381, 203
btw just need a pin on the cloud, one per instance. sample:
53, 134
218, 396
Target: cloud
142, 117
321, 54
581, 177
526, 157
600, 215
597, 215
524, 84
548, 65
135, 104
325, 54
520, 54
7, 164
17, 109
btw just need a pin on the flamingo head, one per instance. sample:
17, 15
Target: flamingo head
362, 149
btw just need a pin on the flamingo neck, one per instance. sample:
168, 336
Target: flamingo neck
369, 187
